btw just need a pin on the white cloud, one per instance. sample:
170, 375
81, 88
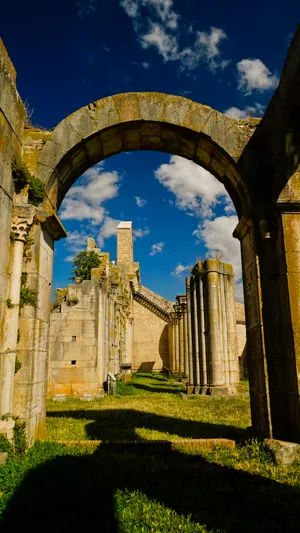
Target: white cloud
160, 30
208, 44
195, 189
217, 237
140, 202
254, 75
180, 269
157, 248
85, 201
108, 229
145, 65
140, 233
75, 242
163, 9
165, 42
255, 110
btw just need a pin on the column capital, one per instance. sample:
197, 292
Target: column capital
22, 219
244, 226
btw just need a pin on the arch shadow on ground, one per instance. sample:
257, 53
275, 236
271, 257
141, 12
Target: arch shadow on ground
75, 494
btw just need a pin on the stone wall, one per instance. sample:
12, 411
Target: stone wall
12, 113
74, 341
150, 339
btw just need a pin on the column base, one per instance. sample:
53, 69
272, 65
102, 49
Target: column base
226, 390
190, 389
197, 389
204, 390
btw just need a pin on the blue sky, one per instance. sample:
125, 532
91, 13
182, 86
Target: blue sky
228, 55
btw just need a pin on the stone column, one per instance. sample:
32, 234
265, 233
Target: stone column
223, 322
20, 229
247, 232
203, 336
181, 344
279, 256
215, 341
233, 362
185, 336
195, 326
177, 346
189, 335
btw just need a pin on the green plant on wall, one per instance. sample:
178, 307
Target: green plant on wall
18, 365
22, 177
83, 264
27, 296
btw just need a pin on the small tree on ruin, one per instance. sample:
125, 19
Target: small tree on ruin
83, 264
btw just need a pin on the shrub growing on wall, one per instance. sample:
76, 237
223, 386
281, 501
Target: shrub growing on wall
83, 264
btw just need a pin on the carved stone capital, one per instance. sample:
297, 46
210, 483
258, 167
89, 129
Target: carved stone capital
20, 228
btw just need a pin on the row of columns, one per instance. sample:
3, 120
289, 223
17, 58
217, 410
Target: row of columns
202, 334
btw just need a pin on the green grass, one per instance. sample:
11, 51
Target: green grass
148, 408
126, 489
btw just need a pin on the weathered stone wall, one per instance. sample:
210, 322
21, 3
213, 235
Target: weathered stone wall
12, 113
150, 339
73, 342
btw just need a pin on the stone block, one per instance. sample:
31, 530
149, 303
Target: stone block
285, 453
59, 398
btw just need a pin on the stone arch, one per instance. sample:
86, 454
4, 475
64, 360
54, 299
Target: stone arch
145, 121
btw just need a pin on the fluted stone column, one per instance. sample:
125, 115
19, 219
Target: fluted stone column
202, 336
215, 340
20, 228
233, 361
186, 350
177, 346
195, 326
223, 324
181, 344
189, 335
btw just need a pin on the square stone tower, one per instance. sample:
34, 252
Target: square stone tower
124, 243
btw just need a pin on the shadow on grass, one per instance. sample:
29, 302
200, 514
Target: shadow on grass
76, 494
121, 424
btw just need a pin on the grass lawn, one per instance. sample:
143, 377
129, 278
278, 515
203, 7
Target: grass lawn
149, 408
126, 488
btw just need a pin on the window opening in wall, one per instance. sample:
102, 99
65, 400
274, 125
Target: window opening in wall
74, 338
73, 362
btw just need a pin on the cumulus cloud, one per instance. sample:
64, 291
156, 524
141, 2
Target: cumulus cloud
159, 29
254, 75
195, 189
75, 243
108, 229
86, 201
180, 269
140, 202
255, 110
219, 242
157, 248
140, 233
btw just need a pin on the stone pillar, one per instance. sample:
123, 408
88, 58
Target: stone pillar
202, 337
20, 229
32, 349
181, 344
233, 361
177, 345
185, 336
215, 340
279, 257
189, 335
247, 233
195, 326
223, 323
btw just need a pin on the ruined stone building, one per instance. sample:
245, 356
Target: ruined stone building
114, 324
257, 160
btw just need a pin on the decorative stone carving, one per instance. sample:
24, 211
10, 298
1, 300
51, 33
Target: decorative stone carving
20, 228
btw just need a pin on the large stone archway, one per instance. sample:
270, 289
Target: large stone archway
258, 167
